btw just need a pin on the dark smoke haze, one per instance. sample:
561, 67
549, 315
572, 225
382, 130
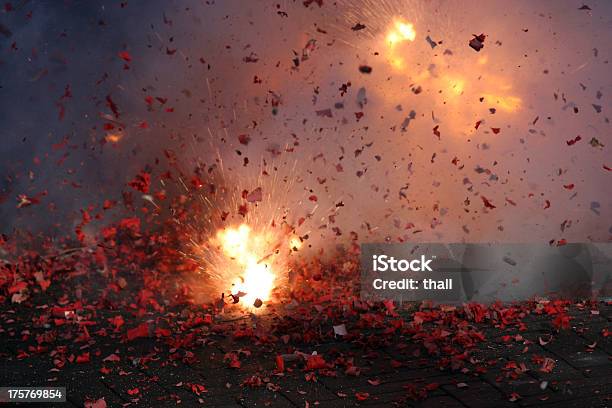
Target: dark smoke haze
398, 147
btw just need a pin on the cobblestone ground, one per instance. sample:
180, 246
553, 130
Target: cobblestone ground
536, 366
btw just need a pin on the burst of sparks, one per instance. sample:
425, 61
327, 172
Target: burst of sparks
255, 277
244, 256
402, 31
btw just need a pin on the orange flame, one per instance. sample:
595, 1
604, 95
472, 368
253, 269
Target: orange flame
255, 279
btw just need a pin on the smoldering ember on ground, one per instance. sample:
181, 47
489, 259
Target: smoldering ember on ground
186, 185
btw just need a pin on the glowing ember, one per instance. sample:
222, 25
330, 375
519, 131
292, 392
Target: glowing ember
113, 137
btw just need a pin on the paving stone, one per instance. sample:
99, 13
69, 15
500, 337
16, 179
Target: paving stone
177, 379
523, 386
39, 372
260, 397
385, 400
598, 371
478, 395
593, 402
571, 390
562, 369
574, 351
163, 376
592, 335
441, 401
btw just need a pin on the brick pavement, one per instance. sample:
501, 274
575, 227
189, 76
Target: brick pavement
581, 377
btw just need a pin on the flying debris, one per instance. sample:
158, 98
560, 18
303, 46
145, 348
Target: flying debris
362, 99
206, 183
406, 121
477, 43
431, 42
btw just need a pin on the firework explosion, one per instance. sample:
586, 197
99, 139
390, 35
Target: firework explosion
243, 237
440, 74
188, 189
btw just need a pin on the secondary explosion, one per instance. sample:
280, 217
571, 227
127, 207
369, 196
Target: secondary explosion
447, 76
399, 33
